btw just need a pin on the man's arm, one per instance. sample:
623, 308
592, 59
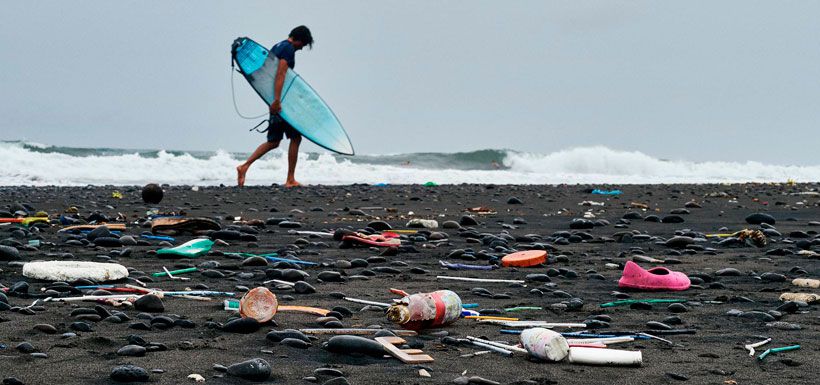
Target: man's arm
278, 83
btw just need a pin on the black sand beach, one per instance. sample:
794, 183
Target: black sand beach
714, 354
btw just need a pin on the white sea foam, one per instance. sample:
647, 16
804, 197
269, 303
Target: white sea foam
24, 164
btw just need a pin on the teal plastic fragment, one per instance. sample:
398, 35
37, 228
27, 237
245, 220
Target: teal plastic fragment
192, 249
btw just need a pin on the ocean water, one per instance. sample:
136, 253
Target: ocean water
24, 163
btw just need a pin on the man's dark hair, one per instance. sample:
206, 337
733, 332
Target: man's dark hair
302, 34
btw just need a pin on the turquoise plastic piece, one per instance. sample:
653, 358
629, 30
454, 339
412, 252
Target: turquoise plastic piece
191, 249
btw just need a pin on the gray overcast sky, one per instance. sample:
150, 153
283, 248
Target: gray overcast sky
696, 80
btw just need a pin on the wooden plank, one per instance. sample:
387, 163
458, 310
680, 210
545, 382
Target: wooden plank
412, 357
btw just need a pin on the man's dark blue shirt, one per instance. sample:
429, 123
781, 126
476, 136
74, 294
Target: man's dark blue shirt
285, 50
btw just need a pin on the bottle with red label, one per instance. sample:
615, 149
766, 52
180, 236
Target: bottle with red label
426, 310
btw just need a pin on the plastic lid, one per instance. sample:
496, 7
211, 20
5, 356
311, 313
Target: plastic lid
259, 303
525, 258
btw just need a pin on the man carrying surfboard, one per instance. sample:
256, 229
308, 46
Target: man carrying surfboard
285, 52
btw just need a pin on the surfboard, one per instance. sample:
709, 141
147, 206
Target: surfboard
301, 105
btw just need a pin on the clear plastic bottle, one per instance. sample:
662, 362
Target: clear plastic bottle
426, 310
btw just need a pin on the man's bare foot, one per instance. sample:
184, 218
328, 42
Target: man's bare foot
292, 183
241, 170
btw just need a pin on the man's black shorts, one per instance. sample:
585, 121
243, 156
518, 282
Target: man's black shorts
278, 127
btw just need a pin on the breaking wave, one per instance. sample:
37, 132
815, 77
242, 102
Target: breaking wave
23, 163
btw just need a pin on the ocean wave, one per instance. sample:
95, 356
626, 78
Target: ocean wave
23, 163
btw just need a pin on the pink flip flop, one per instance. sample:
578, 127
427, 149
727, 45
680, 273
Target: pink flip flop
657, 278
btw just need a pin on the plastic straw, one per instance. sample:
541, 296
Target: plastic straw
478, 279
366, 302
180, 271
523, 308
776, 350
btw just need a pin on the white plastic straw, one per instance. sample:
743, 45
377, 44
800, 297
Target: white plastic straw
532, 324
366, 302
478, 279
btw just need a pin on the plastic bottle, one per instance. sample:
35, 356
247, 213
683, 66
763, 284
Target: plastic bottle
544, 344
426, 310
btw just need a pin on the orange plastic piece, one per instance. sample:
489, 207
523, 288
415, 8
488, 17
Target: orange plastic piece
525, 258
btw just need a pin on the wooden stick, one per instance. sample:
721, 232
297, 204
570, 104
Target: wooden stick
304, 309
91, 298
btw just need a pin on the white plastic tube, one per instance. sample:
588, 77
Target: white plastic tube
610, 357
467, 279
605, 341
532, 324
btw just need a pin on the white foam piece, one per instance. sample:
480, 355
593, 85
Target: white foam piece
72, 270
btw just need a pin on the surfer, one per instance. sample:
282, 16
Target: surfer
285, 51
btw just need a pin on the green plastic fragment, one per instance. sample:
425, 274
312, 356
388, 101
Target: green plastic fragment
191, 249
523, 308
631, 301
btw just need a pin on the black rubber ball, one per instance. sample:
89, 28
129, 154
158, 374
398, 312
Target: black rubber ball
152, 193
